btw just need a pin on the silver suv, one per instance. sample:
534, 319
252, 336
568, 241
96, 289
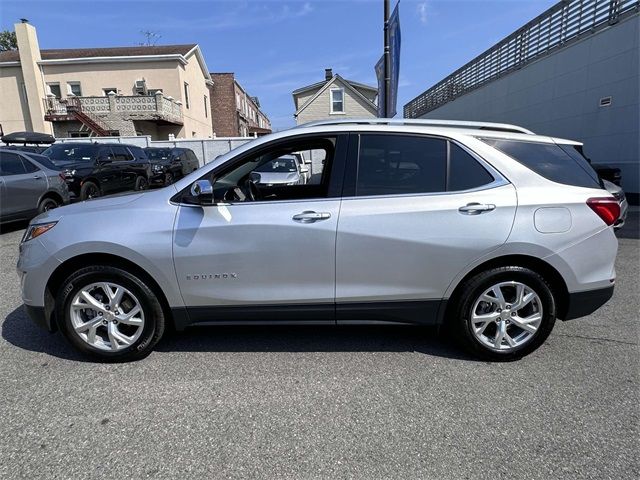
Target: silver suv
485, 229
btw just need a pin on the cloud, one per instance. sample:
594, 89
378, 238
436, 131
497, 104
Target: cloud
244, 15
422, 12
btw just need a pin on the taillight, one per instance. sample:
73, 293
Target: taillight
608, 209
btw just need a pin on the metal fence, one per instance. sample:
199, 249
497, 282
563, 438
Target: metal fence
566, 21
206, 150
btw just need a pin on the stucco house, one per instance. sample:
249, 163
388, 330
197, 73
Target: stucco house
334, 97
144, 90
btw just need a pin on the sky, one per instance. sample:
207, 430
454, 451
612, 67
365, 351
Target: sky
277, 46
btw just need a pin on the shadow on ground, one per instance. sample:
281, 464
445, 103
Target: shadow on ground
631, 227
20, 331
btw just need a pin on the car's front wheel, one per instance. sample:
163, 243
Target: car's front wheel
141, 184
504, 313
109, 314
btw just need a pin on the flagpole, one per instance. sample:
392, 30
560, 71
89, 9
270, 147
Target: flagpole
387, 63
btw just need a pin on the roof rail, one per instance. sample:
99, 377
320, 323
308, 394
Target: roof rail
499, 127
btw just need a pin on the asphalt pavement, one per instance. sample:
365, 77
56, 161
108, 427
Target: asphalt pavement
324, 402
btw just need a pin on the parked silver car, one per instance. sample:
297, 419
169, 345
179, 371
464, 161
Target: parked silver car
283, 171
29, 184
485, 229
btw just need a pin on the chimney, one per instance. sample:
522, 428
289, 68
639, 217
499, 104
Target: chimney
29, 52
328, 73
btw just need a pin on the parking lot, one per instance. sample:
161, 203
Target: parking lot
323, 402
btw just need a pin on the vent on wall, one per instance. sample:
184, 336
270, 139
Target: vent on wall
605, 101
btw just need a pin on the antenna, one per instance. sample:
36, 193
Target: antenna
151, 38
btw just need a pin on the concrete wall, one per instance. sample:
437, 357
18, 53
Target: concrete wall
197, 121
206, 150
14, 111
559, 95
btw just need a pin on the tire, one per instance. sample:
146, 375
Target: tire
89, 190
135, 337
141, 184
169, 179
473, 308
47, 204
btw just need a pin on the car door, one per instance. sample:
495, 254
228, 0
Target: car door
107, 170
417, 210
127, 168
268, 260
24, 183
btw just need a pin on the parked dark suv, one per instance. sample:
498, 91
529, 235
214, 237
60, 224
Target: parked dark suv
170, 164
95, 169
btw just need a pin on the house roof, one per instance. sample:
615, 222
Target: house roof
313, 86
326, 84
69, 53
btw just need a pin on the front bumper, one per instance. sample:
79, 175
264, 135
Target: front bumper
581, 304
39, 317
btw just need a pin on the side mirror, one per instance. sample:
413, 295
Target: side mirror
304, 169
202, 192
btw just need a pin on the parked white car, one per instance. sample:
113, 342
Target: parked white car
485, 229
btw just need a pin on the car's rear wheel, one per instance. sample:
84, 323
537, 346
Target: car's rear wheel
109, 314
47, 204
169, 178
504, 313
89, 190
141, 184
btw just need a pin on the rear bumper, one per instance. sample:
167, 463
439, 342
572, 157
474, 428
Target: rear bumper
582, 304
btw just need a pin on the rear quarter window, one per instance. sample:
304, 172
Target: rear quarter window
558, 163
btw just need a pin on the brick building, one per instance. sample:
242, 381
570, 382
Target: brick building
234, 113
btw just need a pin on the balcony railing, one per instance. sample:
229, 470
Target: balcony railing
135, 107
565, 21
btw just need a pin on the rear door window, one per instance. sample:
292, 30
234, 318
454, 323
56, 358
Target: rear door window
11, 164
553, 162
414, 164
401, 164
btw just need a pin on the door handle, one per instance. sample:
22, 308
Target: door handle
310, 217
37, 176
476, 208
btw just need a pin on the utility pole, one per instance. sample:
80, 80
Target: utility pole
387, 59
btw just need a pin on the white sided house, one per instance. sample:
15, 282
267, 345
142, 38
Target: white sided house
335, 97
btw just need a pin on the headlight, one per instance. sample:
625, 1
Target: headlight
69, 173
157, 168
34, 231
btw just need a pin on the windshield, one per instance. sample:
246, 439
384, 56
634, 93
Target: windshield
158, 153
278, 165
66, 153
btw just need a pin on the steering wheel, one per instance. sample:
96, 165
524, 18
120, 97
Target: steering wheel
252, 190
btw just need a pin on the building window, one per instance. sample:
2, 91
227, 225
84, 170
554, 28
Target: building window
154, 91
337, 100
54, 89
206, 107
106, 91
73, 88
186, 94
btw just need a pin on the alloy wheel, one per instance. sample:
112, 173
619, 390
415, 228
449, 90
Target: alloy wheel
107, 316
506, 316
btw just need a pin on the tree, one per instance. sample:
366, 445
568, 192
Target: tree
8, 41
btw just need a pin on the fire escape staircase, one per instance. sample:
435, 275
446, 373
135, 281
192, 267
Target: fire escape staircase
92, 122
